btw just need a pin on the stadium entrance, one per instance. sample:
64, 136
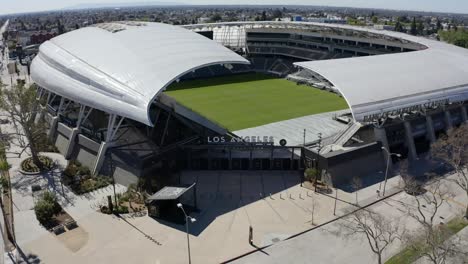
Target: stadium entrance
240, 156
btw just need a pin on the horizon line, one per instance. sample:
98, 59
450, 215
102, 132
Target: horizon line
155, 4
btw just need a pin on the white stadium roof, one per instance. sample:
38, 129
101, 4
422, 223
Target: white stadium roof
120, 68
375, 85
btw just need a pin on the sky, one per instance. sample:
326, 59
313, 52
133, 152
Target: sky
457, 6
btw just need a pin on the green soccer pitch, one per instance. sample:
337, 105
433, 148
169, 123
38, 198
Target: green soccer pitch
249, 100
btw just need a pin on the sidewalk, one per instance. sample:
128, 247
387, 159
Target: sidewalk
320, 243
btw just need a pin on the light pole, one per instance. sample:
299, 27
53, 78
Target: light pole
187, 219
389, 156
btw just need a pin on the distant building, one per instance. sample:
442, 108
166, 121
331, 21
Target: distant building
202, 20
41, 37
297, 18
384, 27
328, 20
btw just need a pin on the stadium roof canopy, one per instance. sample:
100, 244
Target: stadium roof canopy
120, 68
436, 73
384, 85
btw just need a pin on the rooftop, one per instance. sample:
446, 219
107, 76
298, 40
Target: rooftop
120, 69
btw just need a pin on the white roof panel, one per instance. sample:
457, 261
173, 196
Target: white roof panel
384, 83
121, 72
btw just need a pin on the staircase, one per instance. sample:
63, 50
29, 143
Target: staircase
340, 139
347, 134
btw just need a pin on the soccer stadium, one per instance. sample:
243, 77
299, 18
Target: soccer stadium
132, 99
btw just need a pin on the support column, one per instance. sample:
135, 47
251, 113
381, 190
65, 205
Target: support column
430, 129
41, 114
163, 136
448, 120
100, 157
82, 116
464, 113
71, 142
108, 142
413, 155
53, 128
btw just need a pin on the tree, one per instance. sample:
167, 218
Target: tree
413, 29
430, 239
435, 244
439, 25
398, 27
216, 17
420, 28
380, 232
21, 106
264, 16
4, 167
452, 150
375, 19
277, 14
60, 27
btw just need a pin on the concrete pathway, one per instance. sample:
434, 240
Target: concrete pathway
326, 245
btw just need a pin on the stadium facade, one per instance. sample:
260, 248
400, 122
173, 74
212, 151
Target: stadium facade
101, 89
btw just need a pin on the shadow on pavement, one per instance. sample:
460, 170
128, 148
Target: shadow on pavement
219, 193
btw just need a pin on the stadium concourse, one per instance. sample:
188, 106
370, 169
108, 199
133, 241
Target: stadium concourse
336, 94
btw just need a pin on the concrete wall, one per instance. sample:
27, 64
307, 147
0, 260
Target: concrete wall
61, 142
342, 166
125, 175
85, 151
358, 163
61, 138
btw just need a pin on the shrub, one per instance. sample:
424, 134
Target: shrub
46, 207
52, 199
83, 171
121, 209
4, 166
87, 186
311, 174
105, 210
44, 212
28, 165
70, 170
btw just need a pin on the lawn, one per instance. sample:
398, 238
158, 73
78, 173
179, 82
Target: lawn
409, 255
249, 100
